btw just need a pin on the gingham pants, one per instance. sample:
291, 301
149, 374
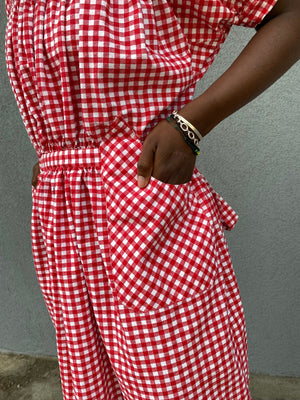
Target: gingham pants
138, 282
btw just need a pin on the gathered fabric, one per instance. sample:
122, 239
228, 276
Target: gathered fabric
139, 283
76, 67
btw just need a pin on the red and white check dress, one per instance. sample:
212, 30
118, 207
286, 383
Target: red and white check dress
138, 282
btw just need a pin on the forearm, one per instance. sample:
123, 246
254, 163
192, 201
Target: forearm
270, 53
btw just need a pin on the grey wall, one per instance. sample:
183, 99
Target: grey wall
251, 159
25, 326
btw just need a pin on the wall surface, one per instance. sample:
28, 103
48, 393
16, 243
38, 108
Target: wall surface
251, 159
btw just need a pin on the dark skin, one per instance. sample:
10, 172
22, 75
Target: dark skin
35, 173
269, 54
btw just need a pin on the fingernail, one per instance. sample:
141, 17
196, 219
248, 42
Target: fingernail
142, 181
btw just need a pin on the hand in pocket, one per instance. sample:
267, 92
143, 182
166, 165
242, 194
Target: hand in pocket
165, 156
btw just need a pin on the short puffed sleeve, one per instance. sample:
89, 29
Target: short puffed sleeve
249, 13
8, 7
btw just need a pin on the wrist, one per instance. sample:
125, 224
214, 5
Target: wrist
203, 113
189, 133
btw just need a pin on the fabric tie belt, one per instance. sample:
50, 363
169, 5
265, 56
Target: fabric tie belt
75, 158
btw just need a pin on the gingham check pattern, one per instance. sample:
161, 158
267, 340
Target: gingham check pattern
138, 283
77, 66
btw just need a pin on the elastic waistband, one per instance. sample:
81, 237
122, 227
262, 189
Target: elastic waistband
75, 158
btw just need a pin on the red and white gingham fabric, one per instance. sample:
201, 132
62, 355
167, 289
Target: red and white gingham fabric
138, 282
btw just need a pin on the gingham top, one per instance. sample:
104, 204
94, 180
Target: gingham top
80, 67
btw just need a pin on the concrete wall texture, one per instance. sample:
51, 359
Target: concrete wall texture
251, 159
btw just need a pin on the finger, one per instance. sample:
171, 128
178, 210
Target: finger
145, 163
34, 183
35, 174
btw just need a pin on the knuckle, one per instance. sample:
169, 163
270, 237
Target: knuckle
143, 167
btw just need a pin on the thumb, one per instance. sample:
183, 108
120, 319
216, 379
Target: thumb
145, 164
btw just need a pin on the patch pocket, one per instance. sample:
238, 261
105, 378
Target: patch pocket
162, 246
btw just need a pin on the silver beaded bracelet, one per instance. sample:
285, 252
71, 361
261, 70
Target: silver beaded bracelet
187, 128
188, 135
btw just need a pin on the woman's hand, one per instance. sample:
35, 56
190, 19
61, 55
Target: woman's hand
165, 156
35, 174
